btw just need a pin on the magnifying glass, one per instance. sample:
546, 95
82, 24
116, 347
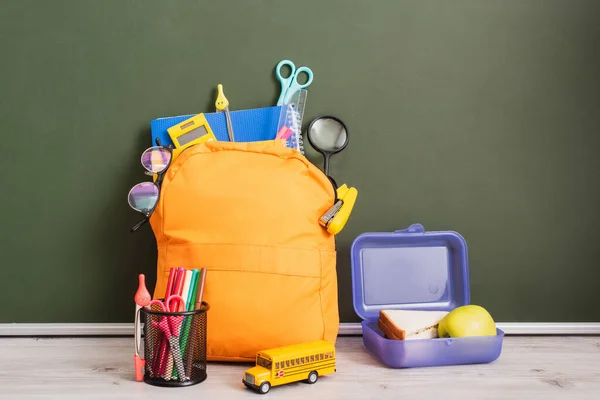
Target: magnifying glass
327, 135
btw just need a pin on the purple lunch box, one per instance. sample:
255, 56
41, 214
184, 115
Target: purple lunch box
413, 269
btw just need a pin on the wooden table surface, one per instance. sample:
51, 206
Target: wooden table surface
102, 368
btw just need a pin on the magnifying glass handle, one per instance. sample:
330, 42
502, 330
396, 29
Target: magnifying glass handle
326, 163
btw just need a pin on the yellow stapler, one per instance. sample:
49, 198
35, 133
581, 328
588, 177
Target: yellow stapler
336, 217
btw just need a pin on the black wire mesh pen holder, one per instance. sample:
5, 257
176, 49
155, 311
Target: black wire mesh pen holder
175, 346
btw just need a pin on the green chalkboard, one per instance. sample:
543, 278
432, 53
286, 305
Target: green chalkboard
476, 116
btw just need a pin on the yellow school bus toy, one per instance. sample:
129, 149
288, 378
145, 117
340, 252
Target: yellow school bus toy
306, 361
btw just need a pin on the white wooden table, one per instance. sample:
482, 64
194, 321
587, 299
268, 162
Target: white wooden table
102, 368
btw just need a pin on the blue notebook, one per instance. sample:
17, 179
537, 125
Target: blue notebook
253, 125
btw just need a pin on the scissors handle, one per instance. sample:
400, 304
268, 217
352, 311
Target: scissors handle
285, 82
290, 85
278, 71
296, 85
179, 301
159, 303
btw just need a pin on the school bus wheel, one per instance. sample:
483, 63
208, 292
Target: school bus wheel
264, 388
312, 377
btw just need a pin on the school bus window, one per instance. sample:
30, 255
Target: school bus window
287, 363
277, 365
321, 356
312, 358
293, 362
263, 362
297, 361
301, 360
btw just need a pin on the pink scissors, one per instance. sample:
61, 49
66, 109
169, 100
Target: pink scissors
171, 325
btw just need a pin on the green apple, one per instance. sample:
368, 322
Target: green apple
469, 320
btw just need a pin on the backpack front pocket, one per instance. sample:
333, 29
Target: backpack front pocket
258, 295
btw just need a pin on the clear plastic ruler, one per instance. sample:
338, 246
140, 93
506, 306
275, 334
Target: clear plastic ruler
291, 117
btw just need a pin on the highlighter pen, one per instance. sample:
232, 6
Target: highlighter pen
172, 274
191, 352
186, 288
193, 290
201, 280
187, 322
159, 355
178, 286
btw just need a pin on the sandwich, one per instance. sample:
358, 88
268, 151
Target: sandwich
409, 324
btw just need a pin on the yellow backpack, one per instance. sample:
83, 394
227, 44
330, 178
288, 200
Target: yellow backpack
249, 213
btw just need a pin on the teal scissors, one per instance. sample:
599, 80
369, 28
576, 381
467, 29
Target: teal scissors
290, 85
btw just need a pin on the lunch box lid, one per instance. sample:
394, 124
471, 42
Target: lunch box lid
409, 269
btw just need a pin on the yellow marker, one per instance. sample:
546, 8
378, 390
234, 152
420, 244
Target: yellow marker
194, 130
222, 104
